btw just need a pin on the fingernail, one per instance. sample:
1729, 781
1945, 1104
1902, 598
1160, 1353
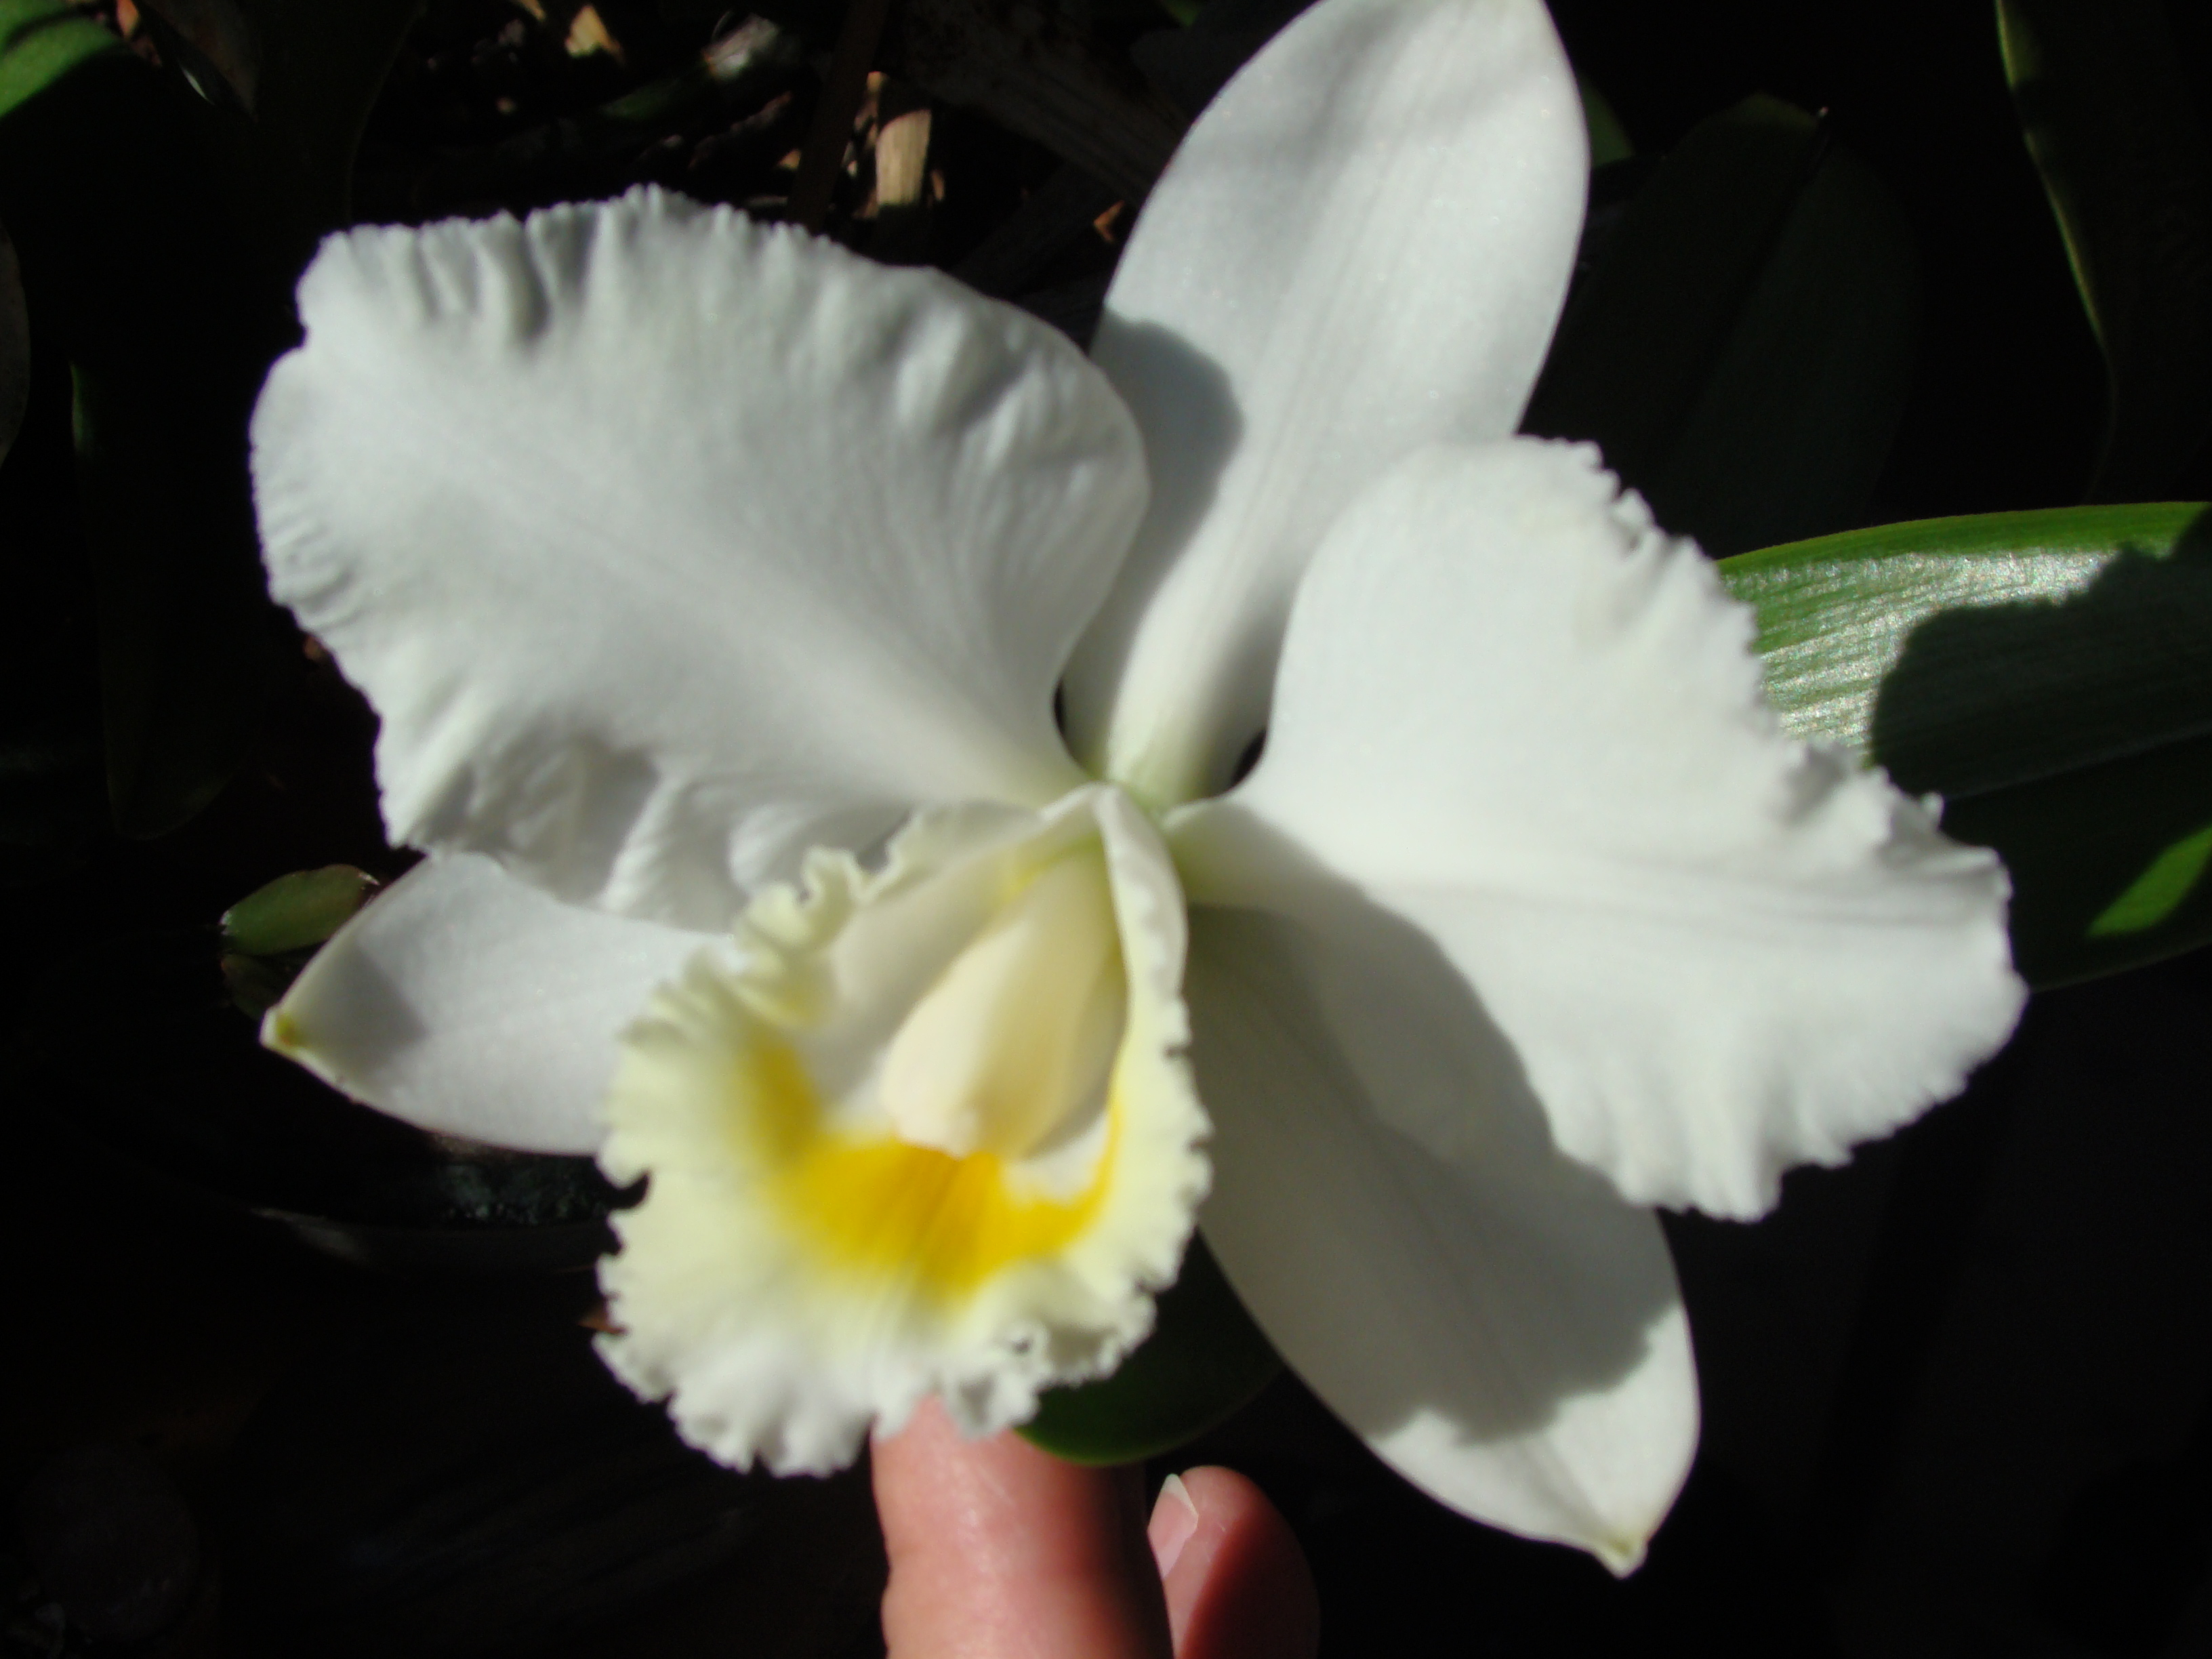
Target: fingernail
1175, 1518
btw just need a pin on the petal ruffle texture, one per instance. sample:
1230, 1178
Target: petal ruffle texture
468, 1002
667, 545
797, 1271
1500, 1327
1361, 246
1513, 714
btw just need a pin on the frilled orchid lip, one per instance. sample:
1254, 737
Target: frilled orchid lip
677, 553
831, 1233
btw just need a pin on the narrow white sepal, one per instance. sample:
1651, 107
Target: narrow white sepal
1361, 246
467, 1002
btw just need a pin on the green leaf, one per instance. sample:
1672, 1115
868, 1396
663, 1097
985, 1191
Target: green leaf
1203, 1359
2050, 675
2107, 116
2106, 863
1743, 347
40, 42
2160, 890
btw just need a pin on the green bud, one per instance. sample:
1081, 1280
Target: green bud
295, 912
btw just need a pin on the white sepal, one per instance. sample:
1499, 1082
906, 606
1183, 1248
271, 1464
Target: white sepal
1361, 246
468, 1002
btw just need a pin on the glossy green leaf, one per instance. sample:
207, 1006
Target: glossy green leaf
1743, 345
1203, 1359
2050, 675
2107, 116
295, 912
2108, 863
127, 256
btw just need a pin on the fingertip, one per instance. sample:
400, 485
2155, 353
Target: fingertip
997, 1549
1237, 1583
1175, 1518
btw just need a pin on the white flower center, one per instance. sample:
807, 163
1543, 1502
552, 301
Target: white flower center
1017, 1037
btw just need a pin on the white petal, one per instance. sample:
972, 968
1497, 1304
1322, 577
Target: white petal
1361, 246
1500, 1327
1515, 715
798, 1272
667, 545
465, 1001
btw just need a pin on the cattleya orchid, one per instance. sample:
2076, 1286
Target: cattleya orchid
829, 704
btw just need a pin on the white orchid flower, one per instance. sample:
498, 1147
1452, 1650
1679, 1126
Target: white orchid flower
714, 588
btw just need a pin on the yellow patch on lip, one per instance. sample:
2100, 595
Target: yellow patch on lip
882, 1207
822, 1240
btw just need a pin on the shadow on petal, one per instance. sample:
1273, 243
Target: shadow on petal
1488, 1314
1187, 410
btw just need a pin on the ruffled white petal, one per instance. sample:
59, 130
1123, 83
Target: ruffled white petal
1361, 246
1513, 714
796, 1272
667, 545
1499, 1325
465, 1001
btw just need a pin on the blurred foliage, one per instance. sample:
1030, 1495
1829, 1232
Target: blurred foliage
2104, 103
1742, 346
103, 191
268, 936
291, 83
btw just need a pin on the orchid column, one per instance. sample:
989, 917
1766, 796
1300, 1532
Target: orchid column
714, 588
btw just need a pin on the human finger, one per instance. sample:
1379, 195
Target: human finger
1236, 1582
999, 1551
